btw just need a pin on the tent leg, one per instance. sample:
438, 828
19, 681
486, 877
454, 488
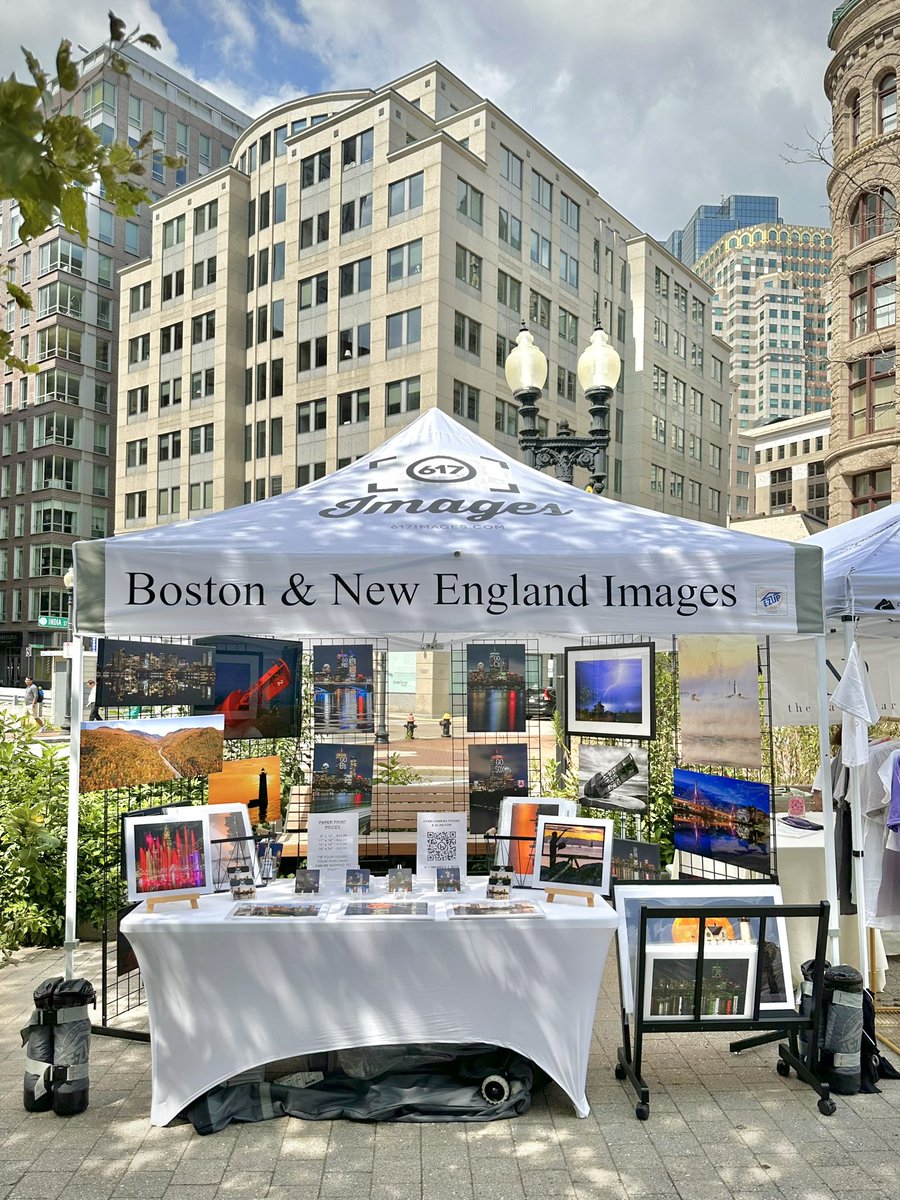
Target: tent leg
855, 800
76, 701
831, 893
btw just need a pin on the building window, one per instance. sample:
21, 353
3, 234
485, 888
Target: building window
173, 232
509, 231
660, 383
358, 149
681, 298
406, 195
308, 471
467, 334
715, 500
202, 439
541, 191
872, 405
200, 496
313, 290
403, 328
854, 109
510, 167
315, 169
314, 230
657, 479
206, 217
568, 269
203, 328
172, 285
873, 214
873, 295
203, 383
404, 261
169, 393
506, 418
661, 283
205, 273
355, 342
509, 291
312, 416
169, 446
353, 407
139, 349
870, 490
465, 400
661, 332
539, 310
468, 267
887, 104
171, 338
312, 354
356, 214
676, 486
403, 395
541, 250
568, 327
469, 201
69, 301
135, 506
569, 212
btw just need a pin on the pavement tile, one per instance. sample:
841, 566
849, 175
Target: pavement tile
191, 1192
345, 1183
40, 1185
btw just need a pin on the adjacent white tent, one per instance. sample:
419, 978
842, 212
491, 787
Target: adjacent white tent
438, 535
861, 569
439, 532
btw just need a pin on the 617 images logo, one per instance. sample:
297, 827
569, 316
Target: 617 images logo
440, 468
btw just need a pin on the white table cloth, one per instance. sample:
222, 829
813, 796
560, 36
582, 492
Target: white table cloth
225, 996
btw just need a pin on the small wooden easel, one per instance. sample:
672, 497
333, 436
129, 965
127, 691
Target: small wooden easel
553, 892
152, 901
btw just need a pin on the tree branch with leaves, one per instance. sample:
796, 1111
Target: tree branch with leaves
50, 158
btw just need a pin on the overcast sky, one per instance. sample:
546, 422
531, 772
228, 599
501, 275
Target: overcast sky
661, 104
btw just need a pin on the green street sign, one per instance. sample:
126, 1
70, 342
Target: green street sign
53, 622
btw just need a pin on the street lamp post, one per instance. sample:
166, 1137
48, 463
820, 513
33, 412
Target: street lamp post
598, 373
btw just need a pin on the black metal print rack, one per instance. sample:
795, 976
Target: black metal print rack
706, 1010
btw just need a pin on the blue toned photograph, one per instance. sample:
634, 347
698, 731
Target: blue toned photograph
725, 819
495, 688
609, 691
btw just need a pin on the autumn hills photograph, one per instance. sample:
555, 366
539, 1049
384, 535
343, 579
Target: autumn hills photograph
120, 754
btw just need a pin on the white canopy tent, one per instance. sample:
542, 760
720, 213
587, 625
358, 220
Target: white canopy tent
861, 568
438, 535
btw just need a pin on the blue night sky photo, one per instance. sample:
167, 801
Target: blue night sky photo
615, 683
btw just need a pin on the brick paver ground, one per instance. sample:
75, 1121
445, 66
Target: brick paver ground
722, 1128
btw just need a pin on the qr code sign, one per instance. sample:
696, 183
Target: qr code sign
440, 845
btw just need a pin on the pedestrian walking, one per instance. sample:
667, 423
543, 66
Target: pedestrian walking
33, 697
93, 713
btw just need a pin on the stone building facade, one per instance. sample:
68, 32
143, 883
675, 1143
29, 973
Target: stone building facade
863, 461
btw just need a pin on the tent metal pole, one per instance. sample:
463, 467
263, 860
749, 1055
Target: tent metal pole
855, 799
76, 699
831, 893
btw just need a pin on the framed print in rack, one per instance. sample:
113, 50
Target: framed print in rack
610, 690
576, 853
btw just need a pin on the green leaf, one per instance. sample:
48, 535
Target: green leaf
151, 40
66, 71
21, 298
73, 212
37, 73
117, 28
118, 64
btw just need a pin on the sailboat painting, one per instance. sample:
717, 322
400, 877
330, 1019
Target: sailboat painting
719, 692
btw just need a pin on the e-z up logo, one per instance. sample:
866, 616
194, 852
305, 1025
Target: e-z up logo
769, 599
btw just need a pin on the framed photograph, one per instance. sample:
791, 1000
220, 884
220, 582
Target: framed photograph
480, 909
281, 909
613, 776
416, 910
494, 772
664, 929
517, 832
342, 779
718, 687
610, 690
729, 820
495, 688
306, 881
118, 754
447, 879
575, 852
726, 991
255, 782
356, 881
147, 674
257, 686
168, 854
344, 688
231, 842
638, 861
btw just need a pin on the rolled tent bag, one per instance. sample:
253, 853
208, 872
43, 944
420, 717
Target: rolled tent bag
37, 1038
843, 1029
58, 1047
72, 1046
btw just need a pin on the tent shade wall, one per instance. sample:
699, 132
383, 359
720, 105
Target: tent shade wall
862, 566
439, 532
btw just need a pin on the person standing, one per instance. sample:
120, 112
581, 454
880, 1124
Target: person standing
33, 700
93, 713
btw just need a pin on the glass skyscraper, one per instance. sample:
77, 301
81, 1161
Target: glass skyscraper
711, 221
